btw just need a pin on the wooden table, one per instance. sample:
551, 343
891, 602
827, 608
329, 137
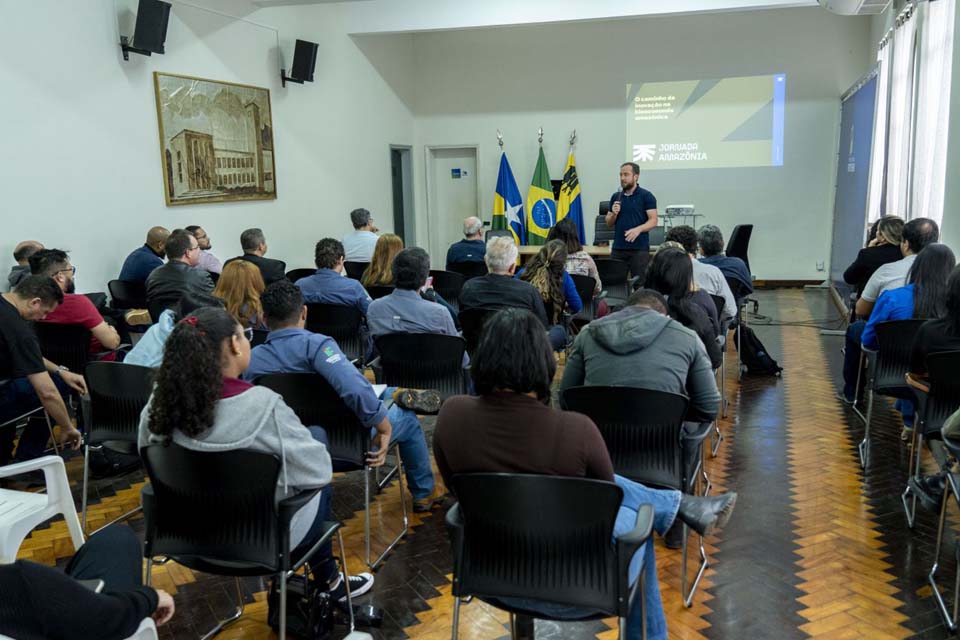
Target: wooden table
593, 250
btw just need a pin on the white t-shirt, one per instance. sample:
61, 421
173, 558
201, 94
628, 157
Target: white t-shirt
890, 276
710, 279
358, 245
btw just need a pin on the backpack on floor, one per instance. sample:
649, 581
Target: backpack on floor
754, 355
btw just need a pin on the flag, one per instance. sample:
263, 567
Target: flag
570, 202
541, 207
508, 203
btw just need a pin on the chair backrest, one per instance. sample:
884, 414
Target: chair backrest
156, 306
944, 397
497, 233
601, 232
642, 430
893, 358
471, 324
719, 303
737, 288
259, 337
317, 403
657, 236
448, 284
423, 361
355, 269
64, 344
213, 509
127, 294
586, 285
468, 269
541, 537
118, 393
739, 243
613, 277
296, 274
379, 290
340, 322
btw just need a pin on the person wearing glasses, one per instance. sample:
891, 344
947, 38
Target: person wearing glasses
208, 261
167, 284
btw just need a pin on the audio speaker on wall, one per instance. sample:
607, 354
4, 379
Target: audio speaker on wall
151, 29
304, 61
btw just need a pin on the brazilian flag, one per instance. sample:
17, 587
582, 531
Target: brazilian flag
541, 207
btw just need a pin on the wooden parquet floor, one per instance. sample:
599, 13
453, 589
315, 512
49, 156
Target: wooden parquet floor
817, 548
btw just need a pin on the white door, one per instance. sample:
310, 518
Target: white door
451, 196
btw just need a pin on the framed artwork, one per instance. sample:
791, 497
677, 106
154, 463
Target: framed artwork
216, 140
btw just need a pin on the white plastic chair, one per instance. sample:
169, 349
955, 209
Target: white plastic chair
21, 511
146, 631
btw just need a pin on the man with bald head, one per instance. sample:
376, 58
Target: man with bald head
22, 253
472, 247
143, 260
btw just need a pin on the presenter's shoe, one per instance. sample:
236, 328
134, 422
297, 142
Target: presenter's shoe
425, 402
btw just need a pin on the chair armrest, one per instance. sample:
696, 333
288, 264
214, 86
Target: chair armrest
18, 468
601, 296
287, 507
917, 383
629, 543
632, 283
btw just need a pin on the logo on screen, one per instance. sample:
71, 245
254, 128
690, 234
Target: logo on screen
644, 152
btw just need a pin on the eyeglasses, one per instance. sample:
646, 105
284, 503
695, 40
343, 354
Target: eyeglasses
72, 270
248, 334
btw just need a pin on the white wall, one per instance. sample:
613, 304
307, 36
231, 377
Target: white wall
951, 205
80, 167
573, 76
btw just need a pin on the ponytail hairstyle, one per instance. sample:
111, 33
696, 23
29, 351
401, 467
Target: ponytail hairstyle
190, 379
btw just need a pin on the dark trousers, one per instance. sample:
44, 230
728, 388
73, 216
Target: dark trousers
851, 358
113, 555
16, 399
637, 259
322, 564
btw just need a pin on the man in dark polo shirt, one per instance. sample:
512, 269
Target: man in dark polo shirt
633, 212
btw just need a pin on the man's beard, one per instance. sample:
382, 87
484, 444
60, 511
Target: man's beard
71, 287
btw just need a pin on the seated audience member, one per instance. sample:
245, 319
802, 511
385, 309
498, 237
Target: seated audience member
710, 240
199, 402
33, 381
471, 248
379, 272
76, 308
22, 253
45, 602
671, 274
706, 276
142, 261
882, 248
290, 348
924, 296
546, 271
169, 282
579, 262
208, 262
254, 246
405, 310
240, 286
359, 244
498, 289
506, 427
148, 352
327, 285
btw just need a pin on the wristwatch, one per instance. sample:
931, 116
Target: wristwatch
61, 368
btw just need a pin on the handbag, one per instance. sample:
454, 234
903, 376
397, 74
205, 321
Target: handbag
309, 609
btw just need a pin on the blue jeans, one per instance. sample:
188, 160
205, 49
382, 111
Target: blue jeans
408, 433
851, 358
558, 337
322, 565
665, 505
16, 399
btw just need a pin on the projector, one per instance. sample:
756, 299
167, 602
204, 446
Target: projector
854, 7
678, 210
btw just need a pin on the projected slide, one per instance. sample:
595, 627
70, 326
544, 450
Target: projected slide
705, 124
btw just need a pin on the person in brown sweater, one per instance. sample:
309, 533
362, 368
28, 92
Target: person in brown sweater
510, 428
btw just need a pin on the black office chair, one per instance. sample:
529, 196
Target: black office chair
118, 392
296, 274
497, 233
543, 538
613, 278
471, 324
602, 234
343, 324
317, 403
738, 245
156, 306
740, 292
67, 345
377, 291
422, 361
355, 269
643, 431
448, 285
657, 236
886, 369
468, 269
259, 337
127, 294
720, 304
586, 286
218, 513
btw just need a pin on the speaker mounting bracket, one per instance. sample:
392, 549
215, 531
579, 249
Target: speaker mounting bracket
284, 78
127, 48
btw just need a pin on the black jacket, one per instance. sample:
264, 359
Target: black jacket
174, 279
869, 260
494, 291
271, 270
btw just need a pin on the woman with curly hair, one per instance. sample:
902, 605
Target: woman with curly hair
380, 270
200, 403
546, 271
240, 286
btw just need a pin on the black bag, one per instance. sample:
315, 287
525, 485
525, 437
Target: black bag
309, 609
754, 355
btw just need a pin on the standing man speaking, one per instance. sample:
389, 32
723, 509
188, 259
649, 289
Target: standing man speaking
633, 211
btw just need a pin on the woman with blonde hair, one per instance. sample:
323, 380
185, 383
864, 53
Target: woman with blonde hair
240, 286
883, 248
380, 270
546, 271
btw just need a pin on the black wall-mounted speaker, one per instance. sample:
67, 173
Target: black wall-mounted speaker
151, 29
304, 61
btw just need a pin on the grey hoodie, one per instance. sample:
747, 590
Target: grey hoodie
259, 420
639, 347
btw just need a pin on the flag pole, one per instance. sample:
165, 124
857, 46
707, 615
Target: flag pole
573, 138
500, 139
540, 136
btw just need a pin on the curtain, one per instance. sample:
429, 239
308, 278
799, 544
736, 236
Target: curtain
932, 109
878, 150
900, 119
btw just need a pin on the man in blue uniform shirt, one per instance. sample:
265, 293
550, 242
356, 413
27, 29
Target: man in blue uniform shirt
633, 212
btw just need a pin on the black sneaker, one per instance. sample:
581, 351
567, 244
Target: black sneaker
359, 585
929, 490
